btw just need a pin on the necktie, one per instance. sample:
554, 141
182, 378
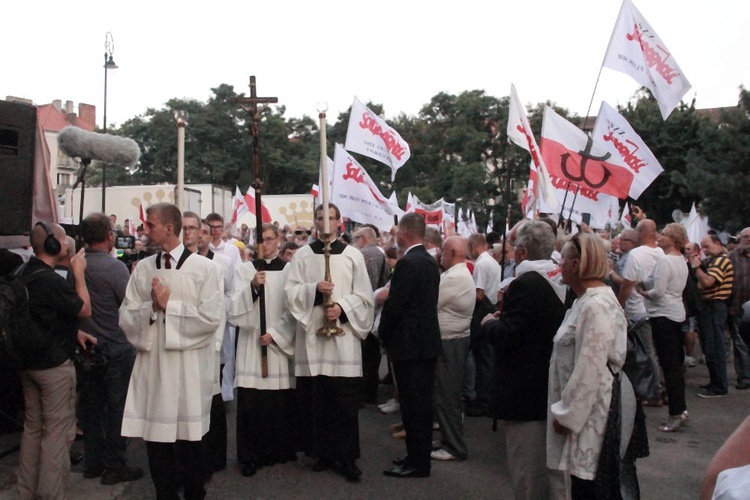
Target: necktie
167, 261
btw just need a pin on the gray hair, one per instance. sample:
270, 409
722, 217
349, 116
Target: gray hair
537, 238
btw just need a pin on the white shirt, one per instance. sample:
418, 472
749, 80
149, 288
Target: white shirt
487, 276
456, 302
639, 266
665, 286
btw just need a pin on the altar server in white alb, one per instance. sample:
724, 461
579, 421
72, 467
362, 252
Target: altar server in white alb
329, 371
172, 310
265, 405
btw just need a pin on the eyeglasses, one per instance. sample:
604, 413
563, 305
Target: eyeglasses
190, 228
300, 233
216, 227
270, 239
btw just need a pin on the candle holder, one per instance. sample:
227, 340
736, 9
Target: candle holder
329, 328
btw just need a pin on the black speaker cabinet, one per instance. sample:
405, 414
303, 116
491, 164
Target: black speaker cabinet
17, 147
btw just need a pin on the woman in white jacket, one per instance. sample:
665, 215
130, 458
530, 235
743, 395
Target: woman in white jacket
589, 351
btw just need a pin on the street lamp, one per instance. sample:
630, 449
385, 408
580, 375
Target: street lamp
109, 63
181, 117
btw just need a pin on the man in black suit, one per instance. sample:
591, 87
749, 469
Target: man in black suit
410, 333
533, 308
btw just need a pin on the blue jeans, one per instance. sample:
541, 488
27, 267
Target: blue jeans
711, 329
102, 405
741, 350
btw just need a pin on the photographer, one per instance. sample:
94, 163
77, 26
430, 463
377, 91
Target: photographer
103, 398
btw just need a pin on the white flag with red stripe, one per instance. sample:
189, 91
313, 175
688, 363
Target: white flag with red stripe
616, 135
250, 202
570, 155
357, 195
370, 135
316, 190
636, 50
519, 132
239, 206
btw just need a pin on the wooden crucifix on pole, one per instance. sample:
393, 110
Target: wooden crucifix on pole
250, 104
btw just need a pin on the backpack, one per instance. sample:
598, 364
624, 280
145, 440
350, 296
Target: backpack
21, 339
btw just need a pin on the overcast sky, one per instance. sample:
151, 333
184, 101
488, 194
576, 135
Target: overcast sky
398, 53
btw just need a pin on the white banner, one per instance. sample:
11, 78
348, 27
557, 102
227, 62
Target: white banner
357, 196
613, 132
370, 135
519, 132
636, 50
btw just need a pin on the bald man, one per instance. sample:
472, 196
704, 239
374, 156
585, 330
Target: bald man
48, 376
455, 307
639, 266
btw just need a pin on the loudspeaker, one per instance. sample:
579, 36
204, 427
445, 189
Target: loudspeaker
51, 245
17, 148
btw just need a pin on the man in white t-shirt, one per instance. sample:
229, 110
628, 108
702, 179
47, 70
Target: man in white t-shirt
639, 266
487, 276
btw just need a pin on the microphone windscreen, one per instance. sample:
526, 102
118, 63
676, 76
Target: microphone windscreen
76, 142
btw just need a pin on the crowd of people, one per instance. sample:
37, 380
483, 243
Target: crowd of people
535, 330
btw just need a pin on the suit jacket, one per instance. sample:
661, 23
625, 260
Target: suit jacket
522, 337
409, 324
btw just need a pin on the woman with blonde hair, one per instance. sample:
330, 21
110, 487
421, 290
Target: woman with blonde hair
589, 351
663, 293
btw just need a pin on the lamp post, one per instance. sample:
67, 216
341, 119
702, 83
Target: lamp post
109, 63
181, 117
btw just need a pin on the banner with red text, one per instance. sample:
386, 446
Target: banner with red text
602, 208
572, 156
613, 132
357, 195
636, 50
519, 132
370, 135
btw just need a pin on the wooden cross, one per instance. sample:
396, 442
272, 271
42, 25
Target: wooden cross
250, 104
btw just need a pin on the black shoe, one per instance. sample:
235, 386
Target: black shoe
742, 385
248, 469
704, 386
350, 471
321, 465
93, 472
76, 457
399, 461
406, 472
121, 475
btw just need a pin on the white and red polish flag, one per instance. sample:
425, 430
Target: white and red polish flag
240, 207
636, 50
519, 132
572, 156
265, 215
613, 132
370, 135
357, 195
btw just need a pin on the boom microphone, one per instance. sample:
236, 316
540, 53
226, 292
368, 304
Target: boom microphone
76, 142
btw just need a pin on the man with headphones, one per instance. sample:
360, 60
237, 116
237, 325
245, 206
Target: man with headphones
49, 379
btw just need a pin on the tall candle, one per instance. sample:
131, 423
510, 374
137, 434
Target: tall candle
322, 108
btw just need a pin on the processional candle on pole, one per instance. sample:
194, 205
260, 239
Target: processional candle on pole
329, 328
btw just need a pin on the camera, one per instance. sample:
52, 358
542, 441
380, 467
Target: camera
125, 242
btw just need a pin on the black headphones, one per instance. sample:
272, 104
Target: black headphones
51, 245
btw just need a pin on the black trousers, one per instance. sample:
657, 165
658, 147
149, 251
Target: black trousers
370, 365
668, 341
416, 384
163, 460
215, 440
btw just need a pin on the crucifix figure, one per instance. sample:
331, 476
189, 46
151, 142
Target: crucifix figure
250, 104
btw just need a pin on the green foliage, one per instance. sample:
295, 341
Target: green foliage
459, 151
